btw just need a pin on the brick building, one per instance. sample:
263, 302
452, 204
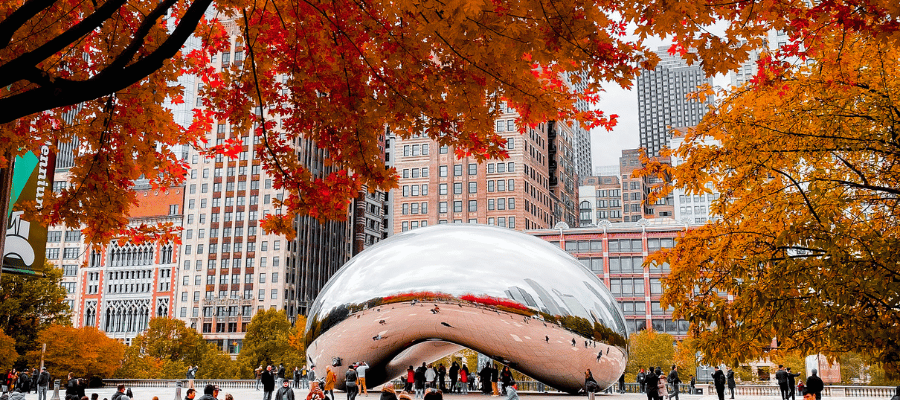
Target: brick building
534, 188
616, 253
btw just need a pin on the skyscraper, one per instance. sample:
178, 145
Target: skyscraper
663, 103
534, 188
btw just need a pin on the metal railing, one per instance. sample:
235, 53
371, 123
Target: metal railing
535, 386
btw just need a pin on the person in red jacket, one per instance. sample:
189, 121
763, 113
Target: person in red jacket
464, 379
410, 379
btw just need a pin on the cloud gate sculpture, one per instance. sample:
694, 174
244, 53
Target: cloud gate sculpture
426, 293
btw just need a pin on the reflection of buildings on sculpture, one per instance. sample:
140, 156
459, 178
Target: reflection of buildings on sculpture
615, 252
124, 285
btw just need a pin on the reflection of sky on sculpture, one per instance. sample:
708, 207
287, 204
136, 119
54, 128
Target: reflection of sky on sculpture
463, 259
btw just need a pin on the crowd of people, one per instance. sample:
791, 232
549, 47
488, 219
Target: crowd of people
17, 383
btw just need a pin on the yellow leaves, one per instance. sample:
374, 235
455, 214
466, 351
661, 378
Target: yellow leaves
807, 236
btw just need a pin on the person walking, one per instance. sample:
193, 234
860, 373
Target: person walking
781, 378
693, 385
650, 381
814, 384
311, 376
296, 377
674, 380
304, 378
330, 379
361, 368
351, 383
454, 376
268, 382
44, 383
622, 383
719, 381
662, 385
792, 383
410, 379
285, 392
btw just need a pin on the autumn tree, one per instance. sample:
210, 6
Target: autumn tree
85, 352
807, 162
270, 340
28, 304
646, 349
8, 354
337, 74
163, 351
685, 358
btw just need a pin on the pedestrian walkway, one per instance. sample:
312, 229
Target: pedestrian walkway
252, 394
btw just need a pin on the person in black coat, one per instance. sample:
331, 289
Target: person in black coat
815, 385
622, 383
792, 384
674, 380
781, 378
650, 382
267, 378
485, 376
719, 380
730, 378
454, 374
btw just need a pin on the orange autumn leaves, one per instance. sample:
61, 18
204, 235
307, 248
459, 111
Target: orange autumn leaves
806, 240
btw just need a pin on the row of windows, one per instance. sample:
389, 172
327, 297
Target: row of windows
234, 263
609, 214
675, 327
609, 203
226, 233
618, 245
688, 210
225, 279
56, 236
500, 203
69, 253
232, 201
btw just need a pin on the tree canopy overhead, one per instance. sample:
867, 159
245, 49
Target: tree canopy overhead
338, 73
807, 162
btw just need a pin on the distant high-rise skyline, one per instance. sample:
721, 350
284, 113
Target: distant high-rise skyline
663, 103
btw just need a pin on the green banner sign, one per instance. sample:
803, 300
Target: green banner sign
26, 242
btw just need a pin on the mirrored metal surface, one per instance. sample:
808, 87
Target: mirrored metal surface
422, 294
